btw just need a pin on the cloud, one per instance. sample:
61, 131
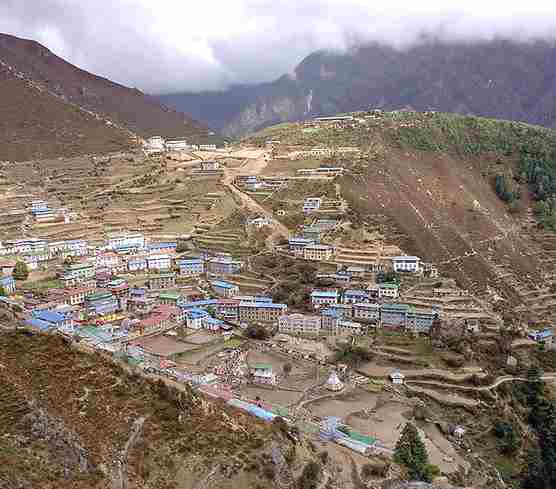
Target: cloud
176, 45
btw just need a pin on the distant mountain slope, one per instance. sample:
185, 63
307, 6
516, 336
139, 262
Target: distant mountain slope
140, 113
34, 123
474, 196
499, 79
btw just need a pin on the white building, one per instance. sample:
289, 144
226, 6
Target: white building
126, 240
299, 324
366, 311
155, 144
159, 262
397, 377
388, 291
333, 383
207, 147
262, 373
345, 327
38, 205
210, 165
411, 264
321, 298
259, 222
311, 204
318, 252
177, 145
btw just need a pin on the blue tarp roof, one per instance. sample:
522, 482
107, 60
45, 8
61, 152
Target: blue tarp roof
49, 316
222, 284
37, 323
196, 313
196, 304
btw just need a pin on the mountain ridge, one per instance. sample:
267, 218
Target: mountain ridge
500, 79
28, 64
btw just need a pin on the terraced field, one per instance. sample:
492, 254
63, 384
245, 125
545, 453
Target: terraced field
123, 191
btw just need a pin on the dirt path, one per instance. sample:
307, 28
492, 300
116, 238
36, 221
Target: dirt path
255, 167
496, 383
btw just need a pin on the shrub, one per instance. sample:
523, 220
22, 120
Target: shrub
310, 476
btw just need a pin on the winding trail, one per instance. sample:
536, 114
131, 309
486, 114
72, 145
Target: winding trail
496, 383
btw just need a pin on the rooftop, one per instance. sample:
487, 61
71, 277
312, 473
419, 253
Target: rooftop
49, 316
222, 284
324, 293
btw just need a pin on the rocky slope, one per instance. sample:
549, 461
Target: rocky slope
499, 79
130, 108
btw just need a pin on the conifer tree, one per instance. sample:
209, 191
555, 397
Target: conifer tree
21, 272
412, 454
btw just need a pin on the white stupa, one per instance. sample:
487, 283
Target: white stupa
334, 383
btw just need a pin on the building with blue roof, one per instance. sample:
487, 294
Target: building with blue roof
204, 304
543, 336
353, 296
7, 286
266, 312
210, 323
321, 298
54, 319
297, 243
43, 326
191, 267
163, 247
194, 318
224, 289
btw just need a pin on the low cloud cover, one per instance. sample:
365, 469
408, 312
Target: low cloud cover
176, 45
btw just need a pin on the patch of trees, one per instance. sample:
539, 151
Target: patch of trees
506, 188
538, 168
310, 477
411, 454
353, 355
21, 272
387, 277
540, 472
508, 437
257, 332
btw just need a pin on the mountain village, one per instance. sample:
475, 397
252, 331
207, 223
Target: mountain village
197, 308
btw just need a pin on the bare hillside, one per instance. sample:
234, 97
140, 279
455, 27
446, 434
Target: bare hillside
128, 107
37, 124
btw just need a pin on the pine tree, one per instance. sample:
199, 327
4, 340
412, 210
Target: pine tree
411, 453
21, 272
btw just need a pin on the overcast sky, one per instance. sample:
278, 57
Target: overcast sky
177, 45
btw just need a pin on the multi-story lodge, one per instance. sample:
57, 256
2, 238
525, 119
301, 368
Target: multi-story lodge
318, 252
159, 262
321, 298
265, 312
191, 267
224, 289
299, 324
162, 281
411, 264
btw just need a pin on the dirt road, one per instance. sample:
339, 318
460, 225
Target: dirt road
254, 167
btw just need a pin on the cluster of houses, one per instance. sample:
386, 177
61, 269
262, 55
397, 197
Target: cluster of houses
41, 212
354, 311
158, 145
